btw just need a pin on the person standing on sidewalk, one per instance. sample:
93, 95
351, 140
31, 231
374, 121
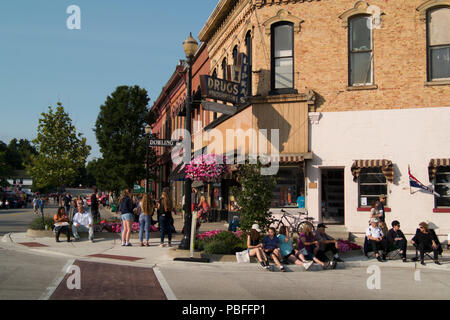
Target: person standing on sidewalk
67, 201
94, 205
165, 217
146, 208
126, 213
82, 221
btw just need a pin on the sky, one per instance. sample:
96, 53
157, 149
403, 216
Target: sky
121, 42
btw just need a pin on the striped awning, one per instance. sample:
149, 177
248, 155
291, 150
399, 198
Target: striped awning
386, 167
435, 164
286, 158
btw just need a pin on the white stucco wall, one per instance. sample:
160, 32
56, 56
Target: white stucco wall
406, 137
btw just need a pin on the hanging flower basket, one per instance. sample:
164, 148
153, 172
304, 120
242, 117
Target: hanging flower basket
207, 168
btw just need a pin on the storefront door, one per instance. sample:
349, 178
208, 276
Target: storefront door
333, 208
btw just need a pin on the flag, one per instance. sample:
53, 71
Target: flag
415, 183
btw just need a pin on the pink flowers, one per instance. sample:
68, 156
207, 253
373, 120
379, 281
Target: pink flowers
211, 234
208, 234
116, 227
207, 168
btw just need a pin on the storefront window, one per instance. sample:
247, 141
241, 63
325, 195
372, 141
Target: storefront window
290, 185
372, 184
442, 187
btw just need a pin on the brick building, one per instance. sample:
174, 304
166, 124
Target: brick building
345, 82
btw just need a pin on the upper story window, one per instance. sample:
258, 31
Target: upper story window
282, 41
360, 51
224, 68
235, 55
438, 26
248, 45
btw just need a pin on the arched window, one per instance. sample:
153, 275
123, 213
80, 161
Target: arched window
248, 45
235, 55
360, 51
438, 43
282, 66
224, 68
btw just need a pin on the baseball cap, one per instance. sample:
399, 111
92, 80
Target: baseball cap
373, 220
321, 225
256, 227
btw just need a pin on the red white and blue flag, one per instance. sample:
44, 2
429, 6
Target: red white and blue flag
415, 183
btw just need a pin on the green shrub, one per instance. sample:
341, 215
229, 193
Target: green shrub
37, 224
222, 243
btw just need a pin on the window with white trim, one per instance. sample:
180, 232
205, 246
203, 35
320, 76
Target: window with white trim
360, 51
372, 184
438, 43
442, 187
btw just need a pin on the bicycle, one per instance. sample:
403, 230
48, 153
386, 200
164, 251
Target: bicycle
298, 222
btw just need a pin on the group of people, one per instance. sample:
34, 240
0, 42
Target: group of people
312, 248
380, 239
145, 208
82, 222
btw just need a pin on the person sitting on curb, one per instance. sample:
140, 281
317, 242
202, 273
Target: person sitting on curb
255, 247
61, 224
82, 221
376, 239
397, 240
270, 247
326, 243
287, 250
426, 240
309, 247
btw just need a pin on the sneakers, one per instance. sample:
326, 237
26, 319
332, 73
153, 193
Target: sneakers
405, 260
422, 263
263, 265
308, 264
384, 257
282, 269
128, 244
438, 263
333, 264
123, 244
379, 259
326, 265
267, 265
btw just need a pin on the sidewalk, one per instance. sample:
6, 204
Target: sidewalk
110, 251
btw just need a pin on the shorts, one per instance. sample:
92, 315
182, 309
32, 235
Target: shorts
307, 254
286, 258
268, 254
127, 217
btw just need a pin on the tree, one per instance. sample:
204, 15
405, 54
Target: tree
254, 196
19, 153
62, 151
5, 168
121, 136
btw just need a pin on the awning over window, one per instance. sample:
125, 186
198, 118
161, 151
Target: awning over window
386, 167
434, 166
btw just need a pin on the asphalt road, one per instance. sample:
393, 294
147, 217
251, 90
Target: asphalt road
16, 220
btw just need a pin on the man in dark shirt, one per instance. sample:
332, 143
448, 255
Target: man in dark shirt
94, 206
67, 201
380, 208
397, 240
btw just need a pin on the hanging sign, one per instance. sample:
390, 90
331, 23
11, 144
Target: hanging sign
234, 91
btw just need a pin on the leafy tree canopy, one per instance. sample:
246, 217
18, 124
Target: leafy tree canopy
61, 150
120, 131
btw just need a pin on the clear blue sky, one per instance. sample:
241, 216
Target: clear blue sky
121, 42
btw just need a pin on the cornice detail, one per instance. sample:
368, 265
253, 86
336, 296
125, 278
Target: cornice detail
424, 7
283, 15
261, 3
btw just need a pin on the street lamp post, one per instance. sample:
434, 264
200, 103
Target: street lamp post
148, 133
190, 46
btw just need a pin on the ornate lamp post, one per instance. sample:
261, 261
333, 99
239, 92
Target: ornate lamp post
148, 133
190, 46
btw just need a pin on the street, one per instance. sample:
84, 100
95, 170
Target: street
16, 220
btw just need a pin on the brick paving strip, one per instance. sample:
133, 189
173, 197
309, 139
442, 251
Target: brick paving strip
108, 256
33, 245
101, 281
